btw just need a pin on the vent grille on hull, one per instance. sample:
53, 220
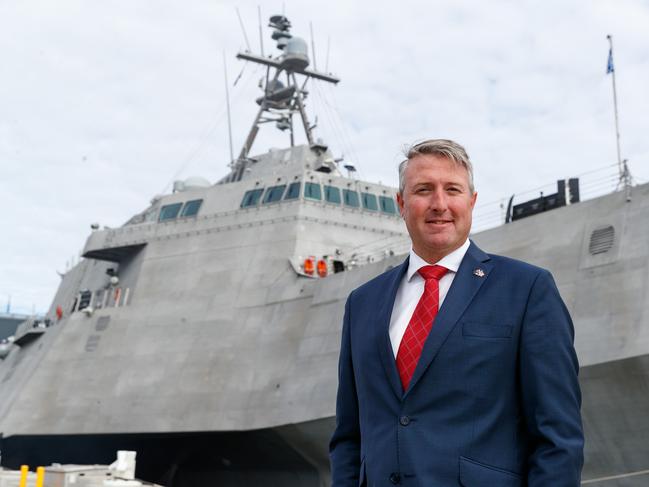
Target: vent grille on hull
601, 240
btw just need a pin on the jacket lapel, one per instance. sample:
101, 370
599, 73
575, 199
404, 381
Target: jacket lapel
464, 288
383, 321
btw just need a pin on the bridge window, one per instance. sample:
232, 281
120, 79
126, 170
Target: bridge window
332, 194
369, 201
274, 193
191, 208
169, 212
251, 198
351, 198
293, 191
387, 205
312, 191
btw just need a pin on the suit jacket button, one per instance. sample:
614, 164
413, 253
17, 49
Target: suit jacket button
395, 478
404, 420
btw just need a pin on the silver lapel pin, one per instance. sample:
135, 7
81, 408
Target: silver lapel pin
478, 272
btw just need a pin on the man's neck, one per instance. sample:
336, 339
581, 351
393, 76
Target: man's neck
451, 261
433, 258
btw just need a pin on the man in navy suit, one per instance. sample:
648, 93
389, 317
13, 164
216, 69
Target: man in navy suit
457, 368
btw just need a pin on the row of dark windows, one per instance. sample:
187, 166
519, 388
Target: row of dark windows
283, 192
313, 191
179, 210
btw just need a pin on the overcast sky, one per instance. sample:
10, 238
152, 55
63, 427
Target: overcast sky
104, 104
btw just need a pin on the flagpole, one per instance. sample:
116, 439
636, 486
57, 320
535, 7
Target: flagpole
625, 177
611, 69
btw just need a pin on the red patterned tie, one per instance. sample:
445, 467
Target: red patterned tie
420, 324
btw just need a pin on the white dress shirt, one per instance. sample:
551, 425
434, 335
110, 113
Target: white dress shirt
412, 287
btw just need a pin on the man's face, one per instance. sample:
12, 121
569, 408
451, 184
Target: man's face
436, 205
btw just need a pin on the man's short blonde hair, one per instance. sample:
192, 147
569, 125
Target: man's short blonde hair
439, 147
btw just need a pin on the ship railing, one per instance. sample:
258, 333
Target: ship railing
378, 250
111, 297
592, 184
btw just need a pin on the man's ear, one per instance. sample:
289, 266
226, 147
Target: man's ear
400, 202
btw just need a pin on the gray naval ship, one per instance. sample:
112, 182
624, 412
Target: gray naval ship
204, 332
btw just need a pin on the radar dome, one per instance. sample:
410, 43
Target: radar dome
195, 182
296, 56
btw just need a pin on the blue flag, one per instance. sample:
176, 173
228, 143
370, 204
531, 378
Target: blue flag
609, 65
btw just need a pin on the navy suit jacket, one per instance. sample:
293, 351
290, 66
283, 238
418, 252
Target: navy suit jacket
494, 400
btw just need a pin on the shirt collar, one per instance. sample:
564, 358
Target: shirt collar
451, 261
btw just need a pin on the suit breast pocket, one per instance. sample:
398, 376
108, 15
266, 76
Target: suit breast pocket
476, 329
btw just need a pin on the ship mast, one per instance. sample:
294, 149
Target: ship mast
283, 96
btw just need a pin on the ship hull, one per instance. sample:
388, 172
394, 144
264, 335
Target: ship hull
259, 357
615, 404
